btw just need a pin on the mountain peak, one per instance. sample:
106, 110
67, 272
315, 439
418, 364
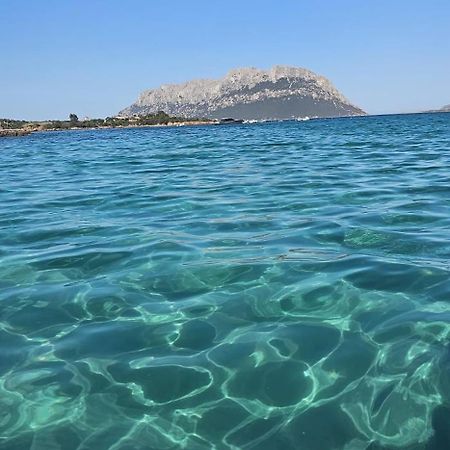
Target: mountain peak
281, 92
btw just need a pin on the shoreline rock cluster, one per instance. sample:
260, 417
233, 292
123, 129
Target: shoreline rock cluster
14, 132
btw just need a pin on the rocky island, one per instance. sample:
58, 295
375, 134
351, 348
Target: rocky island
250, 94
280, 93
445, 108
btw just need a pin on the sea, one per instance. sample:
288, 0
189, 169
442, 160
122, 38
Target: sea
265, 286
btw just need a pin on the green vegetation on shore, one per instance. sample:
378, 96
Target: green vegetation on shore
159, 118
10, 124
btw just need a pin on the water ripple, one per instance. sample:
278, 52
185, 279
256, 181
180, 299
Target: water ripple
259, 287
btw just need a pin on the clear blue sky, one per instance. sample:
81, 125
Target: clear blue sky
93, 57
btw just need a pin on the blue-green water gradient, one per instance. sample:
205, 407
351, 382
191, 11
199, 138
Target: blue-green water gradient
264, 286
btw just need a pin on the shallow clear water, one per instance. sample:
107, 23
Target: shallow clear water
275, 286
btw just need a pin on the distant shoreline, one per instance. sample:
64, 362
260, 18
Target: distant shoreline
14, 132
106, 127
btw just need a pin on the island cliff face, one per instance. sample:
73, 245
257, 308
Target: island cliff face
249, 94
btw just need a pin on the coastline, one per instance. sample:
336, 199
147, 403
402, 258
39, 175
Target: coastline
107, 127
15, 132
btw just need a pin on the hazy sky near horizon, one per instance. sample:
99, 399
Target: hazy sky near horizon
93, 57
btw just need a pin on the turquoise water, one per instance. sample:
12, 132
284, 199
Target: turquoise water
265, 286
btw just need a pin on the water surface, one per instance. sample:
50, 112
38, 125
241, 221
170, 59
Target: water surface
275, 286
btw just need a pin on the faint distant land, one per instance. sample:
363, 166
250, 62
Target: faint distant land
445, 108
250, 94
